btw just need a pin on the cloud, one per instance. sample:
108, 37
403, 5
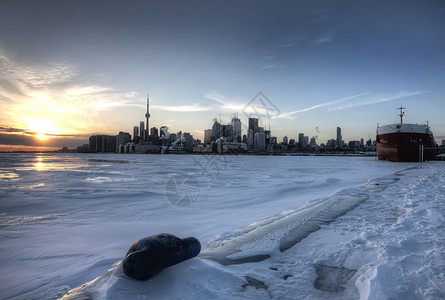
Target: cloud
181, 108
289, 114
325, 38
57, 91
221, 102
361, 101
373, 99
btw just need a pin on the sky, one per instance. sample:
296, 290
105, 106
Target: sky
71, 69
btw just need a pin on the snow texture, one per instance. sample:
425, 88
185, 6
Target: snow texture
271, 227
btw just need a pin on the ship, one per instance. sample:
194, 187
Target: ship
175, 148
405, 142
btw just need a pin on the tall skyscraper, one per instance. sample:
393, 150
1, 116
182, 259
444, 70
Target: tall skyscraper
339, 138
285, 140
250, 138
236, 125
216, 131
141, 129
268, 136
301, 139
135, 132
260, 141
253, 125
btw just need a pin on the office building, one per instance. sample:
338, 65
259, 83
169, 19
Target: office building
154, 131
250, 138
236, 126
253, 125
121, 139
207, 136
260, 141
301, 139
141, 129
135, 132
305, 141
339, 138
216, 131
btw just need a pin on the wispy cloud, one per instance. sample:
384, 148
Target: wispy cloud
329, 103
221, 102
361, 99
379, 98
329, 37
195, 107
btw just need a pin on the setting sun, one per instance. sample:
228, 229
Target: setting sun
42, 125
41, 136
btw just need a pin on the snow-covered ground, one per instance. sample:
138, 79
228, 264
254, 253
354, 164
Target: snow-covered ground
65, 219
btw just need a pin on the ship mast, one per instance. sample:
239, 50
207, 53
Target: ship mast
402, 113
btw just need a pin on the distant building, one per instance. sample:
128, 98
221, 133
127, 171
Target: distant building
267, 136
173, 138
339, 138
253, 125
154, 131
102, 143
301, 140
217, 131
250, 138
354, 145
227, 132
285, 140
187, 140
305, 141
92, 141
207, 136
443, 142
260, 141
331, 144
141, 129
135, 132
84, 148
291, 142
236, 125
121, 140
313, 143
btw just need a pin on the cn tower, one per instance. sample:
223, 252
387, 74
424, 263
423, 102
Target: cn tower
147, 117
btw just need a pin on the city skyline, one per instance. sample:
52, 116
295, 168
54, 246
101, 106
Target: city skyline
68, 72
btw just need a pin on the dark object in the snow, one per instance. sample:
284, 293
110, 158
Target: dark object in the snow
150, 255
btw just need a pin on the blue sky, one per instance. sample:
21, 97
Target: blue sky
70, 69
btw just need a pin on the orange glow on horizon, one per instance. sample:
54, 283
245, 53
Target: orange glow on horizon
12, 148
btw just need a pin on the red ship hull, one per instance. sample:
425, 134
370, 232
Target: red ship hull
405, 147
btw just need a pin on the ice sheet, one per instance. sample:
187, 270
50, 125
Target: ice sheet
67, 218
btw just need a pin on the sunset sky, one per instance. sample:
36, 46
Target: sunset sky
70, 69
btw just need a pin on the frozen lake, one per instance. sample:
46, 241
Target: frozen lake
65, 219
